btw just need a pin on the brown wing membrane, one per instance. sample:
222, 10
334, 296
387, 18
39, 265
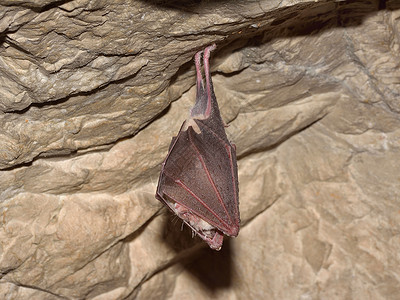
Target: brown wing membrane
198, 180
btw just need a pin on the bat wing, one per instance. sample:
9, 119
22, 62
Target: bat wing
200, 173
199, 180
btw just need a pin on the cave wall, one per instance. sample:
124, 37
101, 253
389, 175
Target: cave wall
91, 93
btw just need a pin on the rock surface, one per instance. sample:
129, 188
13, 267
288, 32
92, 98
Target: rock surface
311, 93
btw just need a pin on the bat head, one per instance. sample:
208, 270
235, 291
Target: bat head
210, 234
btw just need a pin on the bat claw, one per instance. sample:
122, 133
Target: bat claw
209, 49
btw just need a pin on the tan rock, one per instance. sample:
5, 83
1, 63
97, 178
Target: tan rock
310, 93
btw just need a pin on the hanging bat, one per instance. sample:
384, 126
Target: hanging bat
198, 179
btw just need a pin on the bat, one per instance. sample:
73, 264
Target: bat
199, 177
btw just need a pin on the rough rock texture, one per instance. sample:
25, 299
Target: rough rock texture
311, 93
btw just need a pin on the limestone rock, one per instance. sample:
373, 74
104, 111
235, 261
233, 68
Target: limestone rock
91, 93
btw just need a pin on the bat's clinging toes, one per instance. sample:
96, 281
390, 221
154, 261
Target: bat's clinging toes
198, 179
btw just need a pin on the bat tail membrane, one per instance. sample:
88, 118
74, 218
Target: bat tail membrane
206, 106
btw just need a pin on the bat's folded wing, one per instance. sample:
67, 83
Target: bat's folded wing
200, 173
